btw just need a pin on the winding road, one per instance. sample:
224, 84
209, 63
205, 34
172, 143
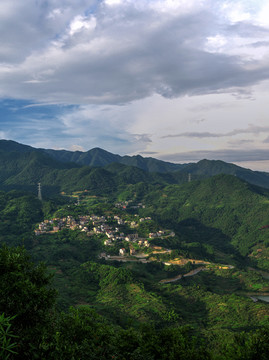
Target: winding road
178, 277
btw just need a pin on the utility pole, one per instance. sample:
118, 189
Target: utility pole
39, 191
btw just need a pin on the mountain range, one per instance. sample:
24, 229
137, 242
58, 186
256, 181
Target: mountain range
24, 166
95, 157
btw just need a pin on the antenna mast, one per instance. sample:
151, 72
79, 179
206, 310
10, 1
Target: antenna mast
39, 191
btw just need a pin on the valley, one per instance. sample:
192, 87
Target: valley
139, 255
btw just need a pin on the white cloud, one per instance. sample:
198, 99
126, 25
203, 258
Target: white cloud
216, 43
80, 23
137, 70
76, 148
55, 13
116, 54
236, 11
113, 2
262, 17
176, 6
3, 135
102, 126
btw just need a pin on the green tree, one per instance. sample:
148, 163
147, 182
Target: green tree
7, 344
26, 293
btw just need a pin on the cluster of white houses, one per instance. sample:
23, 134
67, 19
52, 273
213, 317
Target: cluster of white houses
100, 226
54, 225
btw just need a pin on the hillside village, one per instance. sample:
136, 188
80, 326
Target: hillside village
111, 227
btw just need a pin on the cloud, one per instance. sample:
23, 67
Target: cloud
266, 140
103, 127
258, 44
124, 74
239, 143
198, 121
250, 130
193, 134
212, 106
240, 94
76, 148
114, 52
33, 125
71, 127
30, 25
148, 152
3, 135
144, 138
222, 154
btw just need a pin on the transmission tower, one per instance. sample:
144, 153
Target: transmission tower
189, 178
39, 191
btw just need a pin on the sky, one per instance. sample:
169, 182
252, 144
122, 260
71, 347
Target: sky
178, 80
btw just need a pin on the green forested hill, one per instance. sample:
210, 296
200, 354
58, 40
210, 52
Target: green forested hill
231, 210
23, 170
207, 168
100, 157
19, 211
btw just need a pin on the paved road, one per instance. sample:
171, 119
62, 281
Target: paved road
125, 259
178, 277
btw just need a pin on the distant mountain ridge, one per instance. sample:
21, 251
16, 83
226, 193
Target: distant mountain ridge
95, 157
207, 168
99, 157
15, 167
22, 167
